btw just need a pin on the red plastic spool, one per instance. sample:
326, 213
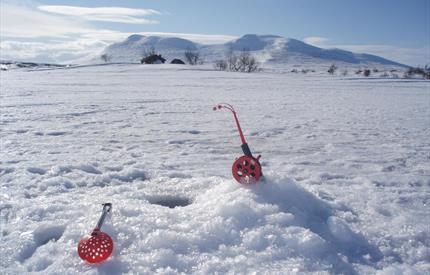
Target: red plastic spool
246, 170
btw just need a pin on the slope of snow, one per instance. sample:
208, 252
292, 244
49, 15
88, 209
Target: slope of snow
271, 48
252, 42
134, 47
347, 174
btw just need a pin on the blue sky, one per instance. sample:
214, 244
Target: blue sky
399, 30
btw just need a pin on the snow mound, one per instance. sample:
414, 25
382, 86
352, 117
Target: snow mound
276, 224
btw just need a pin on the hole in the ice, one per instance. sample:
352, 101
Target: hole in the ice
170, 201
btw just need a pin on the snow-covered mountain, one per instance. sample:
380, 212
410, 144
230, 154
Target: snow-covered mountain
134, 47
268, 48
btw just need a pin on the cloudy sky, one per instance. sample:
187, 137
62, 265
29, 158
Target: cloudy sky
64, 31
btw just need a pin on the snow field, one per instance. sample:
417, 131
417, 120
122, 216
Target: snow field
346, 169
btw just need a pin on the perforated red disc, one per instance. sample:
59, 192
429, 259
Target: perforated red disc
246, 170
95, 248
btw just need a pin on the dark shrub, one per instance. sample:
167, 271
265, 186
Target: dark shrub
153, 59
332, 69
177, 61
366, 73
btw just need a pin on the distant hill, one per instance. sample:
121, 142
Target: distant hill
267, 48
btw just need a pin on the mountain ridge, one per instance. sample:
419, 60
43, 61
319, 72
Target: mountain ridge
267, 48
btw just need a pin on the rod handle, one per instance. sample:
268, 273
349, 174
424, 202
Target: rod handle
246, 150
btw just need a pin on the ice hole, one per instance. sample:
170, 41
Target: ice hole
170, 201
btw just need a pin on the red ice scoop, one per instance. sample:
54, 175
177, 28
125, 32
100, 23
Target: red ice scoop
97, 247
246, 169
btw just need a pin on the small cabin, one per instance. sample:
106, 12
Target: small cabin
177, 61
153, 59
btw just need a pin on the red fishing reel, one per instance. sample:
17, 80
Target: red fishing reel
246, 169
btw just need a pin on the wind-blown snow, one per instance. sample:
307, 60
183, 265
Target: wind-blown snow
346, 164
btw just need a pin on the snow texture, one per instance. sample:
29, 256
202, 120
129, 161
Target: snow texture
346, 165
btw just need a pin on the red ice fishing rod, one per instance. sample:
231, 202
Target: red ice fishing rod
97, 247
247, 168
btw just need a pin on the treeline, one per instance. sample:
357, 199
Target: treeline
242, 62
409, 73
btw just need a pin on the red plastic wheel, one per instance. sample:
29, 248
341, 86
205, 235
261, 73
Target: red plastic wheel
95, 248
246, 170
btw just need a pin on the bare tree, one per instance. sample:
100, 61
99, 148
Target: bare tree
412, 71
231, 59
221, 65
192, 56
384, 75
246, 62
149, 51
332, 69
366, 72
105, 57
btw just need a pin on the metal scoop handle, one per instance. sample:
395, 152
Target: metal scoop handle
107, 207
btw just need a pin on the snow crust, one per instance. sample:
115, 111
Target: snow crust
346, 165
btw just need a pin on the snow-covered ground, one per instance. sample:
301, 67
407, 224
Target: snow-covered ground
346, 164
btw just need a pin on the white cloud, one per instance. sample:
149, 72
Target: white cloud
53, 51
83, 48
59, 38
27, 21
29, 33
115, 36
18, 20
199, 38
110, 14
